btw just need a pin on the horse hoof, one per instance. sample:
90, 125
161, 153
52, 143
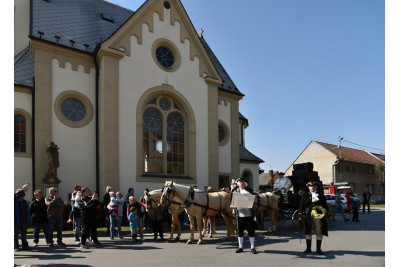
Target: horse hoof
199, 242
177, 238
189, 242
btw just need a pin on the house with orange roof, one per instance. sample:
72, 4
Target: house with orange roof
338, 164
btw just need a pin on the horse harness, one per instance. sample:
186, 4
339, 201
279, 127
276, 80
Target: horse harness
258, 203
189, 200
151, 200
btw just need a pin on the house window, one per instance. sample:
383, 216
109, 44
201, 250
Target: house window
163, 137
351, 169
353, 186
19, 133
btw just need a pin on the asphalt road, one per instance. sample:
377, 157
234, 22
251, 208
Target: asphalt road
349, 244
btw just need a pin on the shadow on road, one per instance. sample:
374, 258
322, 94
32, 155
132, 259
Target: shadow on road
330, 255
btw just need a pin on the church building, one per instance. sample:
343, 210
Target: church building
129, 98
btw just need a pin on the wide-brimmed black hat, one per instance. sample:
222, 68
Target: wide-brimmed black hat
281, 173
242, 179
312, 183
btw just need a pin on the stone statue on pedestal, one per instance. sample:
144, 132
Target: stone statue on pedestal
53, 164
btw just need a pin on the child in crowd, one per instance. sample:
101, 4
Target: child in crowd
73, 197
133, 221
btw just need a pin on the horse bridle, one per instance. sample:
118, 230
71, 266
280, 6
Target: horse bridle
149, 202
169, 199
166, 198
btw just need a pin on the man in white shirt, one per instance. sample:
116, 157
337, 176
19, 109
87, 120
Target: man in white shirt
282, 184
245, 219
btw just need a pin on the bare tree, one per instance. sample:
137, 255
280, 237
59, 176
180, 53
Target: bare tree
380, 172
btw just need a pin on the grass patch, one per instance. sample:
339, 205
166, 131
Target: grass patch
377, 206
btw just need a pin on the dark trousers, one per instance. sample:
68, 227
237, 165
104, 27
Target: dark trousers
36, 229
246, 223
20, 228
146, 220
355, 215
89, 228
157, 228
366, 204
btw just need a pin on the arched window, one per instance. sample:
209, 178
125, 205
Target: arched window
249, 176
163, 137
19, 133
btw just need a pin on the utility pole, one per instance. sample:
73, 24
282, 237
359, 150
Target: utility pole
340, 158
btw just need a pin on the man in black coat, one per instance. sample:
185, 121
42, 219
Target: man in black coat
366, 200
314, 199
88, 204
38, 211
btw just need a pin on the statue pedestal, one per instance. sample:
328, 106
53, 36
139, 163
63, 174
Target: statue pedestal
50, 182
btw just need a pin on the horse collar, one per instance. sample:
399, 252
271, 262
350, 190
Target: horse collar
191, 193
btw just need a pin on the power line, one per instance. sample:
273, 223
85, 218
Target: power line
364, 146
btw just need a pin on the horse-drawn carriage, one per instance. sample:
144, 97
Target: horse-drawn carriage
289, 202
200, 205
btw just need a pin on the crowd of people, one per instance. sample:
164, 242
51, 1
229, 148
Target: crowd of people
47, 214
87, 210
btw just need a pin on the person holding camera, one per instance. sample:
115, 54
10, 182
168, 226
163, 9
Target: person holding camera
88, 203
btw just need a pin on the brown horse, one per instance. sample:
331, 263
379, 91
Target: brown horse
174, 208
199, 204
266, 202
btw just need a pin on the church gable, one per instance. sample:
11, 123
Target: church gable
171, 13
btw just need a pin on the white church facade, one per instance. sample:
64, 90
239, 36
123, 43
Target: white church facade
131, 98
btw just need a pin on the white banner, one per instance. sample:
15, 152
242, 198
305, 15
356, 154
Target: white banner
242, 200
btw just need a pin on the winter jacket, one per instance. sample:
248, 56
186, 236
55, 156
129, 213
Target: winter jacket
88, 206
17, 212
55, 207
38, 211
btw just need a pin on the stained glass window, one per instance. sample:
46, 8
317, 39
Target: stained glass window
165, 57
73, 109
164, 143
19, 133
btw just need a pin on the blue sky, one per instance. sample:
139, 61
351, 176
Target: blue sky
310, 70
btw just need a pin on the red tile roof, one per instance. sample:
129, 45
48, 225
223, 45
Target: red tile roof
352, 154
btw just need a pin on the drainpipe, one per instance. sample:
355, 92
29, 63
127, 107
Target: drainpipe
33, 137
97, 122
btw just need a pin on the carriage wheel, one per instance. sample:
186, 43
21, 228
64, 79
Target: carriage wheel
297, 223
